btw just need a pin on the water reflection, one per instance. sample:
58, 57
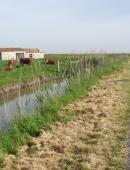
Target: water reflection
25, 102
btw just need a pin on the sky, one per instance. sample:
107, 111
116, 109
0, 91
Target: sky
66, 26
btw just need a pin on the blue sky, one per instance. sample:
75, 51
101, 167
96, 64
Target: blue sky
58, 26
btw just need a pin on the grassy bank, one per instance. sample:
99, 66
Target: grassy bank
27, 126
38, 68
25, 73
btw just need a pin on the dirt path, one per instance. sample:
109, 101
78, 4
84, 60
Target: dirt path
87, 141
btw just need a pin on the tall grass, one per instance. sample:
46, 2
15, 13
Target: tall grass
80, 78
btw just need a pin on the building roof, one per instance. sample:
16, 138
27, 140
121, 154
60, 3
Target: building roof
28, 50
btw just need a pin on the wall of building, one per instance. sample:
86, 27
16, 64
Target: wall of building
8, 55
17, 54
34, 55
12, 55
38, 55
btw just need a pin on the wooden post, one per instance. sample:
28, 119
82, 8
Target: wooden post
58, 66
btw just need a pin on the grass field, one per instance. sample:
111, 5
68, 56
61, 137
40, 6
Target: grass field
27, 73
33, 71
38, 68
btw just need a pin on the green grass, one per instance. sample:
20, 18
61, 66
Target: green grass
33, 71
27, 126
38, 68
29, 72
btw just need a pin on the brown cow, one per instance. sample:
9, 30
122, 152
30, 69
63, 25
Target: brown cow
50, 61
9, 66
27, 61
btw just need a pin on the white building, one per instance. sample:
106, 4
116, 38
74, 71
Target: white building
16, 53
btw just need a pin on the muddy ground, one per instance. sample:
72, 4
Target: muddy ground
86, 135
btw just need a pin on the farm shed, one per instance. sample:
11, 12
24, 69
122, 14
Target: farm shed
16, 53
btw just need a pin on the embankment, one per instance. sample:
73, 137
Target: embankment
91, 133
27, 84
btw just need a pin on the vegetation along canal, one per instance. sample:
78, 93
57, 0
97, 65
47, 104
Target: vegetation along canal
26, 101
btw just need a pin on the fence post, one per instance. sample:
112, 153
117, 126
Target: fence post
58, 66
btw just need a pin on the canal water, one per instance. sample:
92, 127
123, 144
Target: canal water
26, 101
